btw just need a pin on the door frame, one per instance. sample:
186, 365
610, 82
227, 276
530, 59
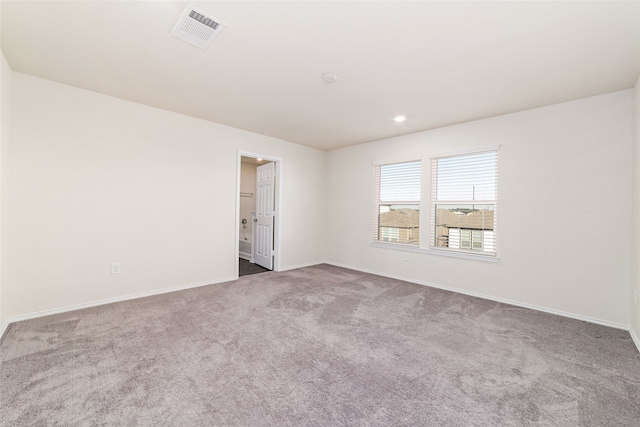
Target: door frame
278, 207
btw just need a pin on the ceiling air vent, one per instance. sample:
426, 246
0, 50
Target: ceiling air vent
197, 28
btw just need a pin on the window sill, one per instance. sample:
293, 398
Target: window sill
452, 254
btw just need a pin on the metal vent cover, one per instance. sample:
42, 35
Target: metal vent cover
195, 27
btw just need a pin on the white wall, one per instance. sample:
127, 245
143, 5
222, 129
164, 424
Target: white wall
564, 209
635, 250
97, 180
5, 144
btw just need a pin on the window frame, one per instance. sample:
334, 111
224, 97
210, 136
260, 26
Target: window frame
427, 232
377, 202
434, 202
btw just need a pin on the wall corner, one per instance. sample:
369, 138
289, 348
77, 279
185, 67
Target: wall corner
634, 296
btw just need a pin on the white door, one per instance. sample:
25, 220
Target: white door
264, 215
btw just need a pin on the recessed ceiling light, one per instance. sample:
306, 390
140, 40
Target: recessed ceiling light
259, 159
329, 78
399, 119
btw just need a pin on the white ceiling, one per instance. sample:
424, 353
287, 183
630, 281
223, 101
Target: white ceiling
438, 63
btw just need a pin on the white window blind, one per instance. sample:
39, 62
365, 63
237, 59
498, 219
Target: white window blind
464, 196
396, 213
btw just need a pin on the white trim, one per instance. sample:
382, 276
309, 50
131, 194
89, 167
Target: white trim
433, 201
5, 326
492, 298
635, 338
278, 189
3, 330
310, 264
406, 159
429, 251
105, 301
463, 151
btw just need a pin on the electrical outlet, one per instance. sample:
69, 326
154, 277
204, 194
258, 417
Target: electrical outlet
405, 256
115, 268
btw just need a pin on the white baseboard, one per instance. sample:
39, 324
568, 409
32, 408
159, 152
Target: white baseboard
635, 338
105, 301
492, 298
244, 255
112, 300
311, 264
3, 330
5, 326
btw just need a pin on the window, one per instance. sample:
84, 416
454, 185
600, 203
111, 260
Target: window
461, 211
396, 214
462, 238
464, 202
389, 234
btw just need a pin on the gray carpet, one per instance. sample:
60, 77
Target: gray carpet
317, 346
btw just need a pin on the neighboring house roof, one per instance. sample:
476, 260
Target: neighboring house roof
479, 220
401, 218
410, 218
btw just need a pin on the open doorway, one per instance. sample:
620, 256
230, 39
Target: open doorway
257, 219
